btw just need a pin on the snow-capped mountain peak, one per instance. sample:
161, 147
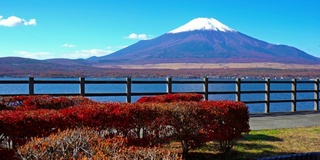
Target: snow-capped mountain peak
203, 24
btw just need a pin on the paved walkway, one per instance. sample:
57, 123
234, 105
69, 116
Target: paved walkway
284, 120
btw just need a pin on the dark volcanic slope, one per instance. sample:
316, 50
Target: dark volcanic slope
207, 46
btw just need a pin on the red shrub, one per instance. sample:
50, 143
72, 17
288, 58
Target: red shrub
189, 97
7, 153
22, 125
143, 124
41, 102
10, 103
102, 116
50, 102
229, 120
187, 120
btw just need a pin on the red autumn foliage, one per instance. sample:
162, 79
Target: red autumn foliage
50, 102
186, 119
229, 120
143, 124
187, 97
7, 153
41, 102
11, 102
102, 116
20, 126
30, 116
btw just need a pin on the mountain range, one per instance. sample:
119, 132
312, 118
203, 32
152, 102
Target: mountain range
205, 40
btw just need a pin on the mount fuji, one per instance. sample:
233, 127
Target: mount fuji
205, 40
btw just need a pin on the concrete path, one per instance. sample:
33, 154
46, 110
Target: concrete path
284, 120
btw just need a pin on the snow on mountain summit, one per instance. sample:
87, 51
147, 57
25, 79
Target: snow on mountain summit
203, 24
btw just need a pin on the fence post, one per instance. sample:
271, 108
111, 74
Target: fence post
238, 89
294, 95
316, 94
82, 86
31, 85
267, 96
128, 89
169, 85
206, 88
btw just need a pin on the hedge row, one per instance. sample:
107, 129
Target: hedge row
142, 124
181, 97
41, 102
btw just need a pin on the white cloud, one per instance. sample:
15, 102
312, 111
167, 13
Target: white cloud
69, 45
71, 55
13, 21
74, 55
35, 55
139, 36
31, 22
116, 47
90, 53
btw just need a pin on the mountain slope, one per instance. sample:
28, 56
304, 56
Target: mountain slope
205, 40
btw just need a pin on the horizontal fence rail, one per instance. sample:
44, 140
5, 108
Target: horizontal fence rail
169, 82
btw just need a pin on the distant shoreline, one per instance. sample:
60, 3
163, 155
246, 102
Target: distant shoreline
255, 73
269, 65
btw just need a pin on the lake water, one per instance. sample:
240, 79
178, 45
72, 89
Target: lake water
121, 88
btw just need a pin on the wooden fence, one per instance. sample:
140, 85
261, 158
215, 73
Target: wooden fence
169, 82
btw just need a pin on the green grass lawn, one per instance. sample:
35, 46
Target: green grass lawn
266, 143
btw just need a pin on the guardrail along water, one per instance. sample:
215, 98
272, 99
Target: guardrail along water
264, 95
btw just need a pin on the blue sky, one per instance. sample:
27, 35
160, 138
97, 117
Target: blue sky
43, 29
